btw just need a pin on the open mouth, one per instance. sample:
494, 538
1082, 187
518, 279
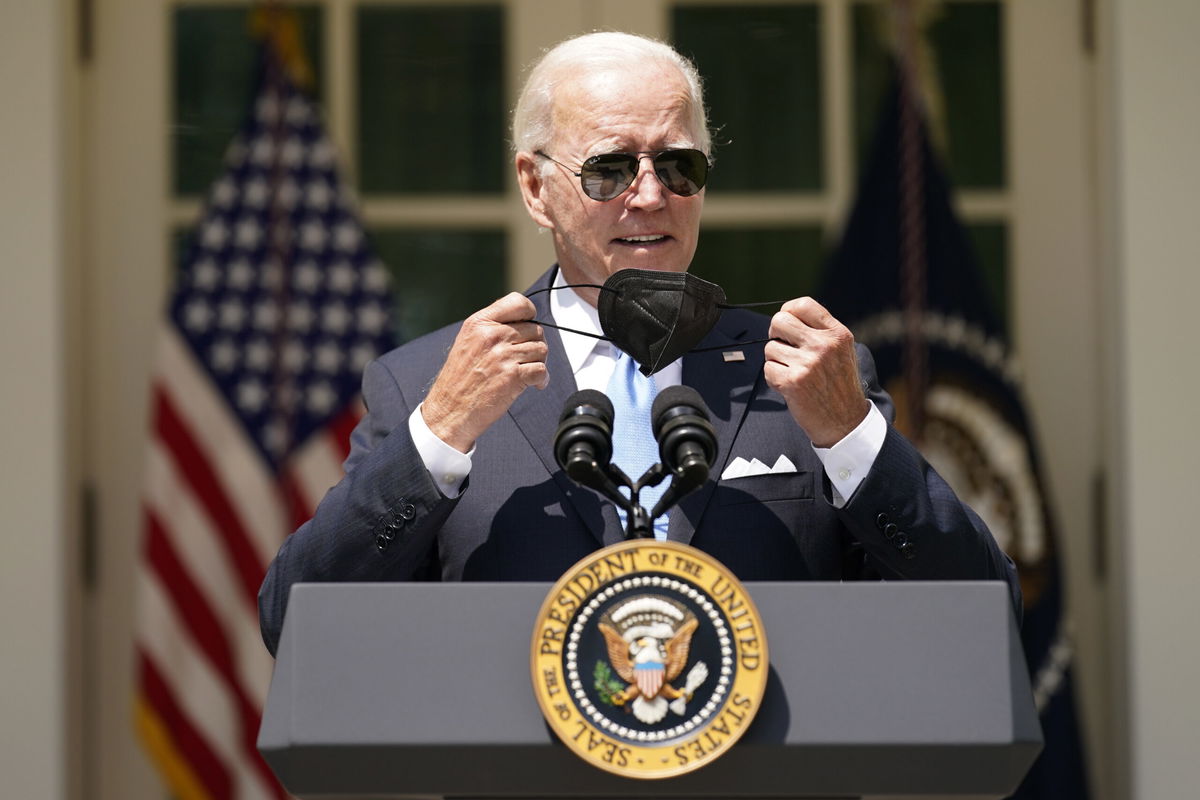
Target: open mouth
641, 241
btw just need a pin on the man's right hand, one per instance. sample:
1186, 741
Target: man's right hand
496, 354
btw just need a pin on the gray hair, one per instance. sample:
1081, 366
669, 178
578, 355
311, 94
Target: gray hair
533, 120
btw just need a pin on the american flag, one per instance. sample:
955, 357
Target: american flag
277, 308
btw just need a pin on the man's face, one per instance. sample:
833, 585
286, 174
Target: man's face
643, 107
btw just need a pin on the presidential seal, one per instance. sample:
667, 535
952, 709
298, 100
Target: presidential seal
649, 659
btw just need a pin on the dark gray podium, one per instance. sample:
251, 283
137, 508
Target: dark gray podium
880, 690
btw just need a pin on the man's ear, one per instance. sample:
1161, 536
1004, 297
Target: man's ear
533, 187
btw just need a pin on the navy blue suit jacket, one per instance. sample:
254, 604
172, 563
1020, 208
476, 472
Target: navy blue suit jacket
519, 517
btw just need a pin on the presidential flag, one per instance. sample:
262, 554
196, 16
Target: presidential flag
277, 307
906, 282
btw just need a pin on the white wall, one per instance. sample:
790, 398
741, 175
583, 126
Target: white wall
1151, 176
1056, 317
33, 469
125, 190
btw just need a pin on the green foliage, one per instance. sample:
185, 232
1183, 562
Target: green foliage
606, 683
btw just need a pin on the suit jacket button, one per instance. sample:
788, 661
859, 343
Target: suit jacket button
908, 550
881, 521
381, 542
407, 511
901, 540
390, 530
890, 530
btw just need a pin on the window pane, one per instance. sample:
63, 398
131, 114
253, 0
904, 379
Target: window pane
431, 115
761, 69
965, 39
441, 276
990, 241
759, 264
214, 71
871, 75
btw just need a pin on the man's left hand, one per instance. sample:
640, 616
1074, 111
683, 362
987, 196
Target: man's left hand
810, 360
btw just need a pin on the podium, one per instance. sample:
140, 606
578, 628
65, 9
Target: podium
876, 690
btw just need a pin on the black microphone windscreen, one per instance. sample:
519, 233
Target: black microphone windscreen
674, 396
589, 397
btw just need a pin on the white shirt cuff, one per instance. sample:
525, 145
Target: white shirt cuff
848, 462
448, 467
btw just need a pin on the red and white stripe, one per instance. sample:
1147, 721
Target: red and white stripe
649, 679
214, 515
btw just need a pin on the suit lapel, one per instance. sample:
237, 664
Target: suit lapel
726, 388
536, 415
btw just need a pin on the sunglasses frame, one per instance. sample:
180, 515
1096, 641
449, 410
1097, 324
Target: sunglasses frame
637, 163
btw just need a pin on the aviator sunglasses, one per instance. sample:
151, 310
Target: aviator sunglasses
606, 176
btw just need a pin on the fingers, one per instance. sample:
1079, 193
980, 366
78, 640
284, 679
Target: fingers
791, 339
810, 312
535, 374
803, 320
509, 320
803, 332
527, 350
811, 361
530, 360
525, 332
498, 353
513, 307
527, 343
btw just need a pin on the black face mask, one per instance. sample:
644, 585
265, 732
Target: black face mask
656, 316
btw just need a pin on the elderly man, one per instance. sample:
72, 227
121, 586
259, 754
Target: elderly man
452, 474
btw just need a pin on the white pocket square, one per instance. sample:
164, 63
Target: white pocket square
741, 468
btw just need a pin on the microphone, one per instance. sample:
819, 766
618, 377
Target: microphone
687, 442
583, 442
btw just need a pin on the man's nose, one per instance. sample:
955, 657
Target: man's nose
646, 191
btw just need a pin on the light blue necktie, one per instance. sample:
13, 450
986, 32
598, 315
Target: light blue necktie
634, 447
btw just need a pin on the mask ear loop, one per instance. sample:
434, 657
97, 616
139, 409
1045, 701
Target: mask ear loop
752, 305
571, 286
747, 341
732, 343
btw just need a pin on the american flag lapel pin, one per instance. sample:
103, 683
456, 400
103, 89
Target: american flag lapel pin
733, 355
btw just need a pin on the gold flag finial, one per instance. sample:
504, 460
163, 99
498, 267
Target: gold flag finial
916, 51
280, 28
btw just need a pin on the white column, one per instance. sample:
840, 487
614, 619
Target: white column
1055, 291
127, 266
1150, 173
532, 29
33, 464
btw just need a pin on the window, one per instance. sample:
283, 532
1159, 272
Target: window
416, 96
430, 150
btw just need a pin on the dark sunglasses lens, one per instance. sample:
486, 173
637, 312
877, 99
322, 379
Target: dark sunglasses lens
606, 176
684, 172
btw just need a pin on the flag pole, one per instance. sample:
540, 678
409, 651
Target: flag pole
284, 63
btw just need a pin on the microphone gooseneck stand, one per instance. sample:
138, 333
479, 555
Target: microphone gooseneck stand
687, 446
